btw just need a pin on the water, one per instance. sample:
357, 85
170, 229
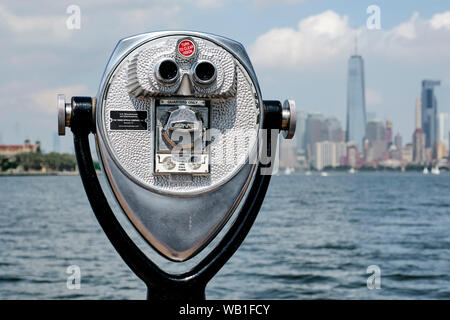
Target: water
313, 239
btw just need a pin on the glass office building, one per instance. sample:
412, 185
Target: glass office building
356, 102
429, 112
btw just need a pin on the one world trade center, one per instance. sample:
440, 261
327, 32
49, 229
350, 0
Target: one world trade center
356, 102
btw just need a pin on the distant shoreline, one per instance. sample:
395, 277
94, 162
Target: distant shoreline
25, 174
37, 174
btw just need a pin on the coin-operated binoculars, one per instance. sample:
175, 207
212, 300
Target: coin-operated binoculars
186, 142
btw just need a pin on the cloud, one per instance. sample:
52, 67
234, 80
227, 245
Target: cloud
407, 29
413, 41
327, 38
317, 39
441, 21
50, 26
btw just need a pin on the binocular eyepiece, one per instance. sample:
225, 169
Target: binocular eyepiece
202, 73
166, 71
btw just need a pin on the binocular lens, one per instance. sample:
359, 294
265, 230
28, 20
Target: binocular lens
168, 71
205, 72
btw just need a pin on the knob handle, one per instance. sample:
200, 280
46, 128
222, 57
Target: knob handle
64, 114
288, 119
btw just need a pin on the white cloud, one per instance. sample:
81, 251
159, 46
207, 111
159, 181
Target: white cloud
441, 21
413, 41
50, 26
407, 29
317, 39
327, 38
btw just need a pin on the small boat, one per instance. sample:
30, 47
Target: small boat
425, 170
352, 170
435, 170
324, 174
288, 171
308, 173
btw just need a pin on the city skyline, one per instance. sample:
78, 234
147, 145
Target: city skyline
322, 143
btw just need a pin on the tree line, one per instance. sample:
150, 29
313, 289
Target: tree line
36, 161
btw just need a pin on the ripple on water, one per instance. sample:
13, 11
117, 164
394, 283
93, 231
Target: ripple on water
314, 238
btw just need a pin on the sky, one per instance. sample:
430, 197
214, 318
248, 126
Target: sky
299, 49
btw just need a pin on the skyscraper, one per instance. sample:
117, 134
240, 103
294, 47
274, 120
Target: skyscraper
388, 132
356, 101
329, 153
419, 155
370, 115
375, 130
429, 112
288, 153
376, 135
313, 133
333, 129
320, 128
418, 113
300, 132
325, 155
408, 152
443, 127
398, 141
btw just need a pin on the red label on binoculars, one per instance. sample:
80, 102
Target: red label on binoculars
186, 48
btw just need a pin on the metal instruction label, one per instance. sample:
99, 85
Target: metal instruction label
128, 120
188, 102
